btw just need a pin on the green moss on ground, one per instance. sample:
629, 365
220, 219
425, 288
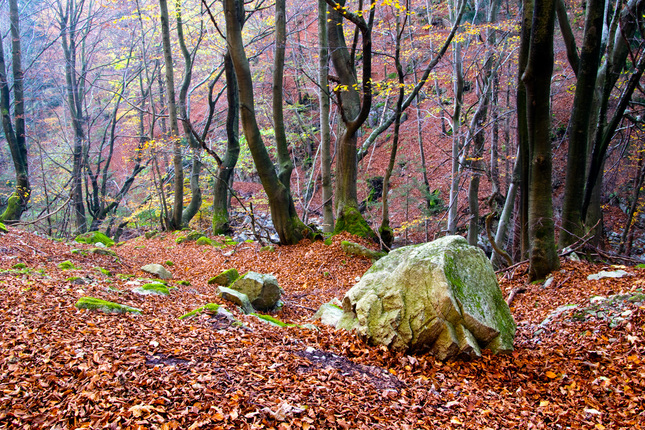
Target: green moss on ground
209, 307
153, 288
184, 283
67, 265
268, 248
92, 303
272, 320
19, 266
3, 228
93, 237
204, 241
106, 272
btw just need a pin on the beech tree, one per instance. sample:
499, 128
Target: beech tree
288, 225
14, 128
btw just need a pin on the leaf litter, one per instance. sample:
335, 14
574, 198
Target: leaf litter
65, 368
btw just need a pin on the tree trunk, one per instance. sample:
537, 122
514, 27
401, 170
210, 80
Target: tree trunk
353, 114
572, 222
325, 135
175, 221
283, 211
458, 83
225, 170
16, 137
537, 80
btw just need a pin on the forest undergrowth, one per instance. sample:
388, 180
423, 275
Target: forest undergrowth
578, 359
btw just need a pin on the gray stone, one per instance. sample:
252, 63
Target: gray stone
158, 270
329, 313
604, 274
262, 290
442, 296
238, 298
103, 251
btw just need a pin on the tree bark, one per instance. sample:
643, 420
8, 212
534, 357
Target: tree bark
537, 80
225, 170
175, 221
572, 222
353, 114
283, 212
325, 134
15, 133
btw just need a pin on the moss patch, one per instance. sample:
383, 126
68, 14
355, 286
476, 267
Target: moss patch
93, 303
67, 265
19, 266
153, 288
269, 248
351, 221
93, 237
272, 320
184, 283
209, 307
3, 228
106, 272
204, 241
225, 278
103, 251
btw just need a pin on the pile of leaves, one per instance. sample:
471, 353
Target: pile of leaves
61, 367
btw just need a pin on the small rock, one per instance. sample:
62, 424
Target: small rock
158, 270
605, 274
238, 298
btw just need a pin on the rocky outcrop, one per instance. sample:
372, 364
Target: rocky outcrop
442, 296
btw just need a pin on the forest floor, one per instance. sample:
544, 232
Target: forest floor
62, 368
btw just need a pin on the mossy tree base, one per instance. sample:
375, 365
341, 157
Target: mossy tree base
351, 221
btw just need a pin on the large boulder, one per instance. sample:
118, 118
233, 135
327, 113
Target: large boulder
442, 296
262, 290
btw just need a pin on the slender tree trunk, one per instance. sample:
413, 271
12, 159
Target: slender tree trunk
226, 169
16, 137
537, 80
572, 222
458, 82
325, 134
283, 212
353, 114
178, 205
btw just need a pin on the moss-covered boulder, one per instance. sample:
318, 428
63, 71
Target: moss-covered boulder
94, 237
153, 289
361, 251
157, 270
226, 278
93, 303
262, 290
440, 296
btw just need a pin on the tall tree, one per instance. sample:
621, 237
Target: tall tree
537, 81
325, 135
175, 222
353, 111
283, 211
572, 222
14, 131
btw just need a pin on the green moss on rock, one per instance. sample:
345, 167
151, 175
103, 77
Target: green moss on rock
3, 228
226, 278
184, 283
268, 248
93, 237
106, 272
92, 303
103, 251
19, 266
272, 320
209, 307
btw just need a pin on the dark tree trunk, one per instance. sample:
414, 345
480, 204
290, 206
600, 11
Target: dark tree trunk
537, 80
15, 133
225, 170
